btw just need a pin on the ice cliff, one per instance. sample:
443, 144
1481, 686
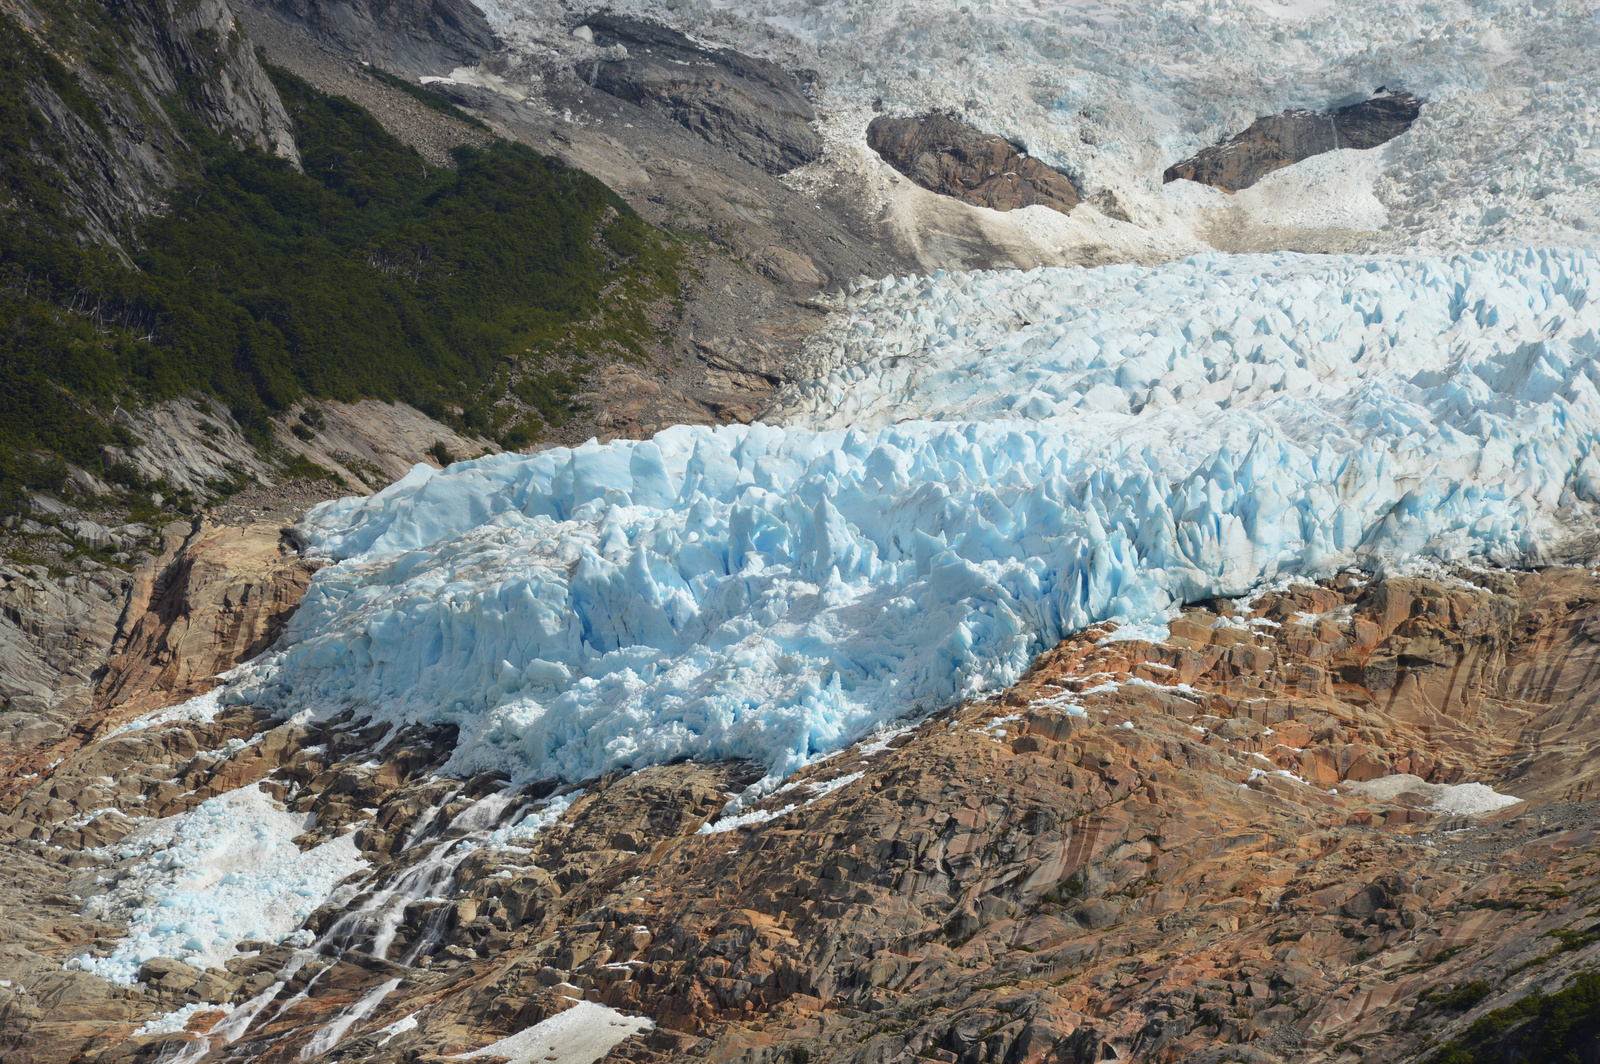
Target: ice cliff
978, 464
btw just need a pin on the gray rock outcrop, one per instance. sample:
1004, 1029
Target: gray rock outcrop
952, 158
751, 107
406, 36
1276, 141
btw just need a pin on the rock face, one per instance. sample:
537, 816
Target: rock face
183, 54
46, 679
223, 600
80, 655
406, 36
952, 158
751, 107
1168, 851
1277, 141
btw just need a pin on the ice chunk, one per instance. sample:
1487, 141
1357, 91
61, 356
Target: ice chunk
178, 1020
199, 882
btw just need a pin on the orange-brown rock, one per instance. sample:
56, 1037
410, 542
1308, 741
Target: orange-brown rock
1140, 852
223, 600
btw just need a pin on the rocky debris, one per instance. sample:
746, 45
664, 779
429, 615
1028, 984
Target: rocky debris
1276, 141
947, 156
330, 67
1153, 851
406, 36
751, 107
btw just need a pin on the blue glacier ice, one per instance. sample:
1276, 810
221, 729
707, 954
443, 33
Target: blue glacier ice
973, 466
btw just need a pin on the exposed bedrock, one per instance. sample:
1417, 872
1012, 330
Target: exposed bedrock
1276, 141
410, 36
1260, 838
751, 107
954, 159
114, 173
223, 600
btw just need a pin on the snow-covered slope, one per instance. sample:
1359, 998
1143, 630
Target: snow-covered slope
1114, 91
1026, 454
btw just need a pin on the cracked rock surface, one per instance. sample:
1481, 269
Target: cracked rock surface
1162, 851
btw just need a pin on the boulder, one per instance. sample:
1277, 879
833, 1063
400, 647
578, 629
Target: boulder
947, 156
1280, 140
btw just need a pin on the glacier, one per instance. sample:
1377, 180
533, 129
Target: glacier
971, 466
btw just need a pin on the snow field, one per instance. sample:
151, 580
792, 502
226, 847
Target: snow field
1114, 442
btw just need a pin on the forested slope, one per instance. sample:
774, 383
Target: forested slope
338, 264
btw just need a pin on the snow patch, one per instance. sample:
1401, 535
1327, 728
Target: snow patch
580, 1035
178, 1020
745, 820
202, 709
1459, 799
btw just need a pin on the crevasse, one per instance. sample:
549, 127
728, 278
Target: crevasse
973, 466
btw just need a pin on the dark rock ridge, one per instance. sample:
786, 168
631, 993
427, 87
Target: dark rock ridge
751, 107
409, 36
1282, 140
954, 159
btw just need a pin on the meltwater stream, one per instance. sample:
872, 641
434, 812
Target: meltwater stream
496, 819
503, 819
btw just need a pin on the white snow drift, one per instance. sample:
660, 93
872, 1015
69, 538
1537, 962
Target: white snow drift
1458, 799
582, 1034
1108, 443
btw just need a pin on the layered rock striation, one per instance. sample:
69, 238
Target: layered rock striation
407, 36
751, 107
104, 80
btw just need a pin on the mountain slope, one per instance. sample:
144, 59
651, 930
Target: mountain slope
1132, 659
